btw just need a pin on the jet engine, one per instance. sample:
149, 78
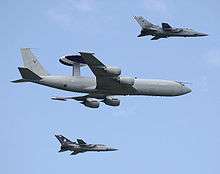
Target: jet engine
126, 80
113, 71
91, 103
111, 101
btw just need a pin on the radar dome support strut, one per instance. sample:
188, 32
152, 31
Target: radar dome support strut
75, 61
76, 69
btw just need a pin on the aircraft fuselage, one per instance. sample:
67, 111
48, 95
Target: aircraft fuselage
87, 147
178, 32
148, 87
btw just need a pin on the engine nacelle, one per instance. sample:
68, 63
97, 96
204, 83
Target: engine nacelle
91, 102
113, 70
126, 80
111, 101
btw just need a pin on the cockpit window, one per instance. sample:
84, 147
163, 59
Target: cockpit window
181, 83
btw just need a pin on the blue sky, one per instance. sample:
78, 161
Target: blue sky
154, 134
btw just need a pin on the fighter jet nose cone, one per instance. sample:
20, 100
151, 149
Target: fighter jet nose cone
112, 149
202, 34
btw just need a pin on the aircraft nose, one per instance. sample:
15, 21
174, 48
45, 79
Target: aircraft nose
202, 34
112, 149
187, 90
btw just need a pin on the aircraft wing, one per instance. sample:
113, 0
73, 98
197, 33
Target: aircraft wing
92, 100
96, 66
152, 29
106, 77
80, 98
76, 152
81, 142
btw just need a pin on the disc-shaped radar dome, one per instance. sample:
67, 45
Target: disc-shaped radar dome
71, 60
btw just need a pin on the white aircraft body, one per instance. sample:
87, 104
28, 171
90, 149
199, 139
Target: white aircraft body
107, 83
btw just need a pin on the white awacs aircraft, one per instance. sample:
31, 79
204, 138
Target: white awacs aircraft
106, 84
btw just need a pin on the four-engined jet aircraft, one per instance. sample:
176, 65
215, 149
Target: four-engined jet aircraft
80, 146
106, 84
165, 31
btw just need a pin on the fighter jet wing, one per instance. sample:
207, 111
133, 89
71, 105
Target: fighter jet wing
152, 29
76, 152
81, 142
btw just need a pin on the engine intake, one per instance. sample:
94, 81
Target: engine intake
113, 71
91, 103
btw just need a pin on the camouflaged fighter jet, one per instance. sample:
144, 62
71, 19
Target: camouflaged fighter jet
80, 146
107, 83
165, 31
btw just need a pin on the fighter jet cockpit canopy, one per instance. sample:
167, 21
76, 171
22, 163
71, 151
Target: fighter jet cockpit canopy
75, 61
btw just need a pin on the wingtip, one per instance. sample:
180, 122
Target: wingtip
140, 35
19, 81
58, 98
81, 52
14, 81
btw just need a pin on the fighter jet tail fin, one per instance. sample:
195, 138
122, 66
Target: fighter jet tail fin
81, 142
31, 62
166, 27
62, 139
143, 22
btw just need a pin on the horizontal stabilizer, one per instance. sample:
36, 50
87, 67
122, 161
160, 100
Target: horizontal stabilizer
74, 153
155, 38
62, 150
141, 35
19, 81
28, 74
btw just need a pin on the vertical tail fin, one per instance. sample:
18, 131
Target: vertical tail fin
62, 139
32, 63
143, 22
